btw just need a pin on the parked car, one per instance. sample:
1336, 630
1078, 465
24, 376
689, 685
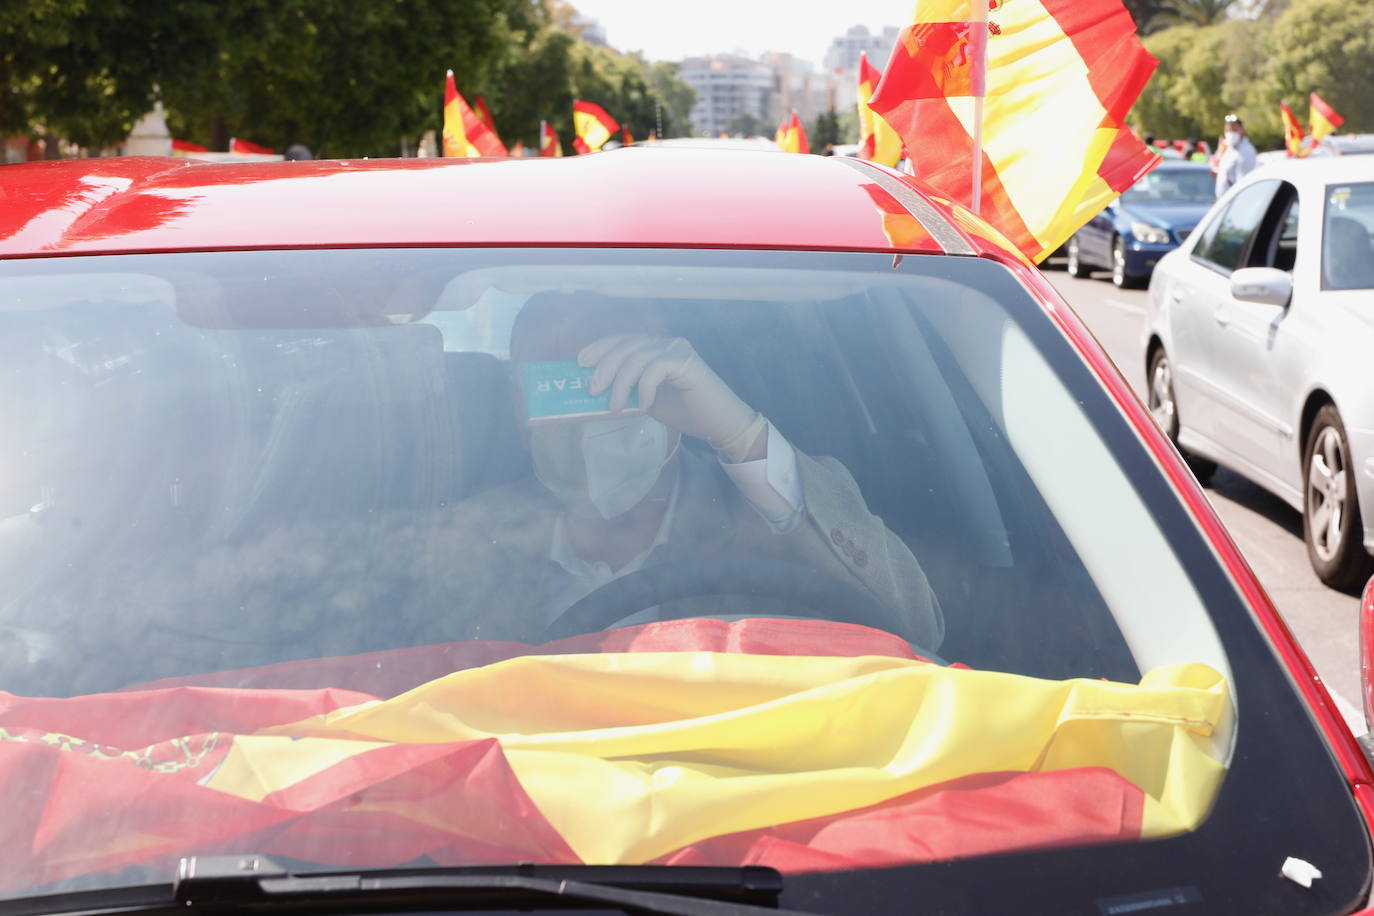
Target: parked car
659, 530
1258, 344
1149, 220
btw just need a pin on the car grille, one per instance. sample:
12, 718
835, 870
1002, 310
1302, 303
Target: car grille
1182, 235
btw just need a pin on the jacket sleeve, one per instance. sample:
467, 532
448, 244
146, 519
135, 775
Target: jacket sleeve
838, 534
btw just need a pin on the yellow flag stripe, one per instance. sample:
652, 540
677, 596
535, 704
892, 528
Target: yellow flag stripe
633, 756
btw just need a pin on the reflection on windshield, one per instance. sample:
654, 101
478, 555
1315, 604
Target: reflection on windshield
1165, 185
375, 557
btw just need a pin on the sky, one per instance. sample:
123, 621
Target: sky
672, 31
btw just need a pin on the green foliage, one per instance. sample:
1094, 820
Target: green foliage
1248, 64
1157, 111
677, 98
343, 77
1148, 14
539, 79
1326, 46
824, 131
849, 124
1196, 12
748, 124
88, 69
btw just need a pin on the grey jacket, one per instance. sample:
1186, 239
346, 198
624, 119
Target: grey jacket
509, 576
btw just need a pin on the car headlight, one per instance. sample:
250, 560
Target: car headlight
1151, 235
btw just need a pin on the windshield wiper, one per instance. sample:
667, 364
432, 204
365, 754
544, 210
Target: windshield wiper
258, 883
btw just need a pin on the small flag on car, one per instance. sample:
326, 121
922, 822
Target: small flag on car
592, 125
1325, 121
971, 95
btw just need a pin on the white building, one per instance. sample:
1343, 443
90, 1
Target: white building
589, 30
844, 49
802, 89
728, 85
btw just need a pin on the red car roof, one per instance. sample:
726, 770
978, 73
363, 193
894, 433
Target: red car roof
635, 197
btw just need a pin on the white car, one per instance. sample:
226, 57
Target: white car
1259, 348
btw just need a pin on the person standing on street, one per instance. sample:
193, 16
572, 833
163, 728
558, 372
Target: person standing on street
1236, 155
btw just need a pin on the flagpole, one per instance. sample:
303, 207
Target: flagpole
978, 20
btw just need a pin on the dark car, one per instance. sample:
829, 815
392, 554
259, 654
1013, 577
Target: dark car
1152, 218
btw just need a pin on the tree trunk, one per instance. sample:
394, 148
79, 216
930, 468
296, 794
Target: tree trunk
219, 134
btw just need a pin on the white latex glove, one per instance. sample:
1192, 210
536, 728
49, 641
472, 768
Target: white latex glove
676, 387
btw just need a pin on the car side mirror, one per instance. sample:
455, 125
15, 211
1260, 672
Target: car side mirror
1265, 285
1367, 652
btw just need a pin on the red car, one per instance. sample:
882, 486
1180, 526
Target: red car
659, 530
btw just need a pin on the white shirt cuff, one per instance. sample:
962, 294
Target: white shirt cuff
771, 484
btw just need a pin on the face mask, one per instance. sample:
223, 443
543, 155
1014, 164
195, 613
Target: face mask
1232, 137
600, 468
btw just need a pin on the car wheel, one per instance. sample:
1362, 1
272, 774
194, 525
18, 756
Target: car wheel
1076, 267
1330, 510
1164, 408
1122, 279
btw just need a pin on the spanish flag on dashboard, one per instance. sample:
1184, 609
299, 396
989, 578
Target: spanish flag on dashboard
1053, 81
803, 745
592, 125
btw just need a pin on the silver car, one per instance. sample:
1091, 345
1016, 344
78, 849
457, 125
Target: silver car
1259, 348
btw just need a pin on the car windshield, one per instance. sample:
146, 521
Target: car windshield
822, 561
1347, 250
1172, 186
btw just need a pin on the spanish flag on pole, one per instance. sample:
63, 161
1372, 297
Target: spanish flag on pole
878, 142
484, 115
1292, 131
791, 136
464, 133
247, 148
681, 743
1325, 121
973, 86
548, 140
592, 125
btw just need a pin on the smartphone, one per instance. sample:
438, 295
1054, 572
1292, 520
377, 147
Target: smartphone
558, 390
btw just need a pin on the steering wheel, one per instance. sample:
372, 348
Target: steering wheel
758, 577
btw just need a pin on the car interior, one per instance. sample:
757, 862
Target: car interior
192, 497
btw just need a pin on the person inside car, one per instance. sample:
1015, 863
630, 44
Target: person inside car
632, 488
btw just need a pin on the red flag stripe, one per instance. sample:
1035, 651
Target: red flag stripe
953, 67
975, 815
941, 158
1104, 36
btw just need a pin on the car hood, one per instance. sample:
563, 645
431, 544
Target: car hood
1167, 215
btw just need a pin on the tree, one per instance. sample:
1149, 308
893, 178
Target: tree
1196, 12
748, 124
344, 78
349, 79
1156, 111
1326, 46
676, 96
1146, 13
88, 70
824, 131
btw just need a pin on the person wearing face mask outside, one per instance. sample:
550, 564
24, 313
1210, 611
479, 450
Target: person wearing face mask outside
1236, 155
623, 490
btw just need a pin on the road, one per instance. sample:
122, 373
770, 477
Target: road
1267, 530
